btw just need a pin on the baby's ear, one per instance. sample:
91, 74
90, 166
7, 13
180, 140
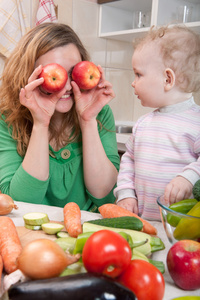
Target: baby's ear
169, 79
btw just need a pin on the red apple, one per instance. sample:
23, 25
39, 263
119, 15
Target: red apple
86, 75
183, 262
55, 78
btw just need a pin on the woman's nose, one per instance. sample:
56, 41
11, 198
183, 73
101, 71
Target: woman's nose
68, 84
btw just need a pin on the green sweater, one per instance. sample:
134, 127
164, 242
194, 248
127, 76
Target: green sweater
66, 182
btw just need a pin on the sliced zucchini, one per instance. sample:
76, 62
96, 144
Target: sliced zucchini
62, 234
32, 227
75, 268
66, 243
52, 228
35, 218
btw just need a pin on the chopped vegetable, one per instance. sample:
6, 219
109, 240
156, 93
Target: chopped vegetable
66, 243
72, 219
62, 234
10, 245
33, 227
52, 228
35, 218
112, 211
75, 268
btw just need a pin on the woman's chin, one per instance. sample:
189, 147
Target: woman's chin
64, 105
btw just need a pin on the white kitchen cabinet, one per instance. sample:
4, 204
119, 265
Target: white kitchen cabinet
117, 18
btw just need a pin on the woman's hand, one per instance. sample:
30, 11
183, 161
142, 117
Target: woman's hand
89, 103
41, 105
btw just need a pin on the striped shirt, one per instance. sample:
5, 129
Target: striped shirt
164, 143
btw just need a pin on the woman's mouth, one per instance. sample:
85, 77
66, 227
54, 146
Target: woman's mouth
66, 96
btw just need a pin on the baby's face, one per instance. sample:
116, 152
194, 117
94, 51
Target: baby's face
149, 72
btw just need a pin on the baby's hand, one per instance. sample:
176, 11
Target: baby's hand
129, 204
178, 189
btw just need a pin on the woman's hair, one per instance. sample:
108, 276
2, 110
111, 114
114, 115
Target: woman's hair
18, 68
180, 49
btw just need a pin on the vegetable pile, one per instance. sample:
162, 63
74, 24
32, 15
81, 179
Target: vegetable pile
185, 228
111, 254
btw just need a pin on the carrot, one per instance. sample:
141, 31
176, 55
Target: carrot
10, 245
72, 219
1, 269
113, 211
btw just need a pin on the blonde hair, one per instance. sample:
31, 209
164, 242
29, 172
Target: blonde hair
18, 68
180, 50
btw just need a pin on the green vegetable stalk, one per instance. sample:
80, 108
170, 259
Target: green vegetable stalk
189, 228
158, 264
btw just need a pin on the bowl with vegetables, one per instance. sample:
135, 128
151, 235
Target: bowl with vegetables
181, 220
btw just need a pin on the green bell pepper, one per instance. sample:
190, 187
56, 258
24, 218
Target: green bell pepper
189, 228
80, 242
183, 206
82, 238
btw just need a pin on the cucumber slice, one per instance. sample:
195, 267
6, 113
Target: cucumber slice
66, 243
52, 228
35, 218
62, 234
32, 227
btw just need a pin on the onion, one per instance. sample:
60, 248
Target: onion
6, 204
43, 258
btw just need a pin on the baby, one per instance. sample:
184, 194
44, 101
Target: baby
162, 154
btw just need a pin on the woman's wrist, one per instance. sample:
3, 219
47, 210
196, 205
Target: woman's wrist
88, 124
40, 127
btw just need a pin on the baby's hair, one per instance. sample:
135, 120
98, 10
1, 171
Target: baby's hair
180, 49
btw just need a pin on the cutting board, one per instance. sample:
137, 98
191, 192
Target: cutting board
27, 235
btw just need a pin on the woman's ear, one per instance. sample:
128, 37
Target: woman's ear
169, 79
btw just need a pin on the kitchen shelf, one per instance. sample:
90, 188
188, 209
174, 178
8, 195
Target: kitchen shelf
116, 18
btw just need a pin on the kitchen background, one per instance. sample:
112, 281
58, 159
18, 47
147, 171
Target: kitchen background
113, 55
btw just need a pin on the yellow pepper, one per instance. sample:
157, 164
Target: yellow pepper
189, 228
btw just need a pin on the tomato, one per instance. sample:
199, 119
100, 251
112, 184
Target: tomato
144, 280
106, 252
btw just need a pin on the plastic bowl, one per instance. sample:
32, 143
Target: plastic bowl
178, 226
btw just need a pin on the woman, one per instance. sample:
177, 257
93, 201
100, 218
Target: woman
61, 147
